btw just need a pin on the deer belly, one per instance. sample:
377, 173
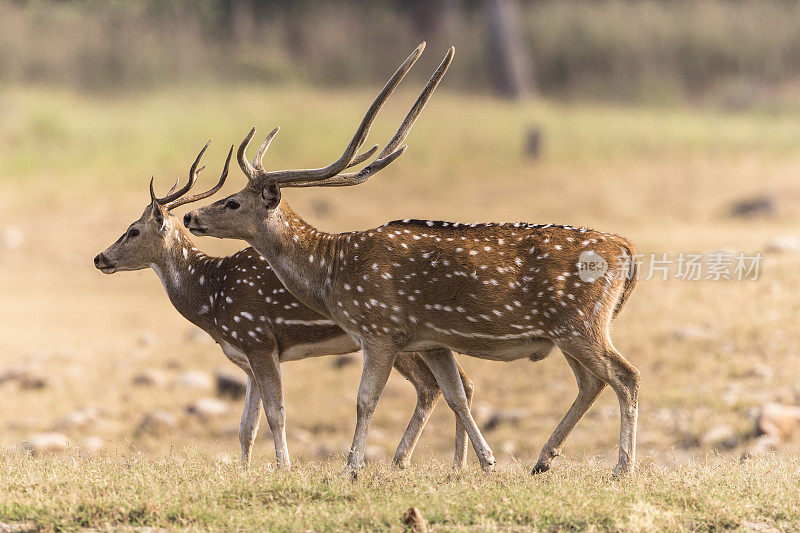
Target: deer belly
339, 344
533, 348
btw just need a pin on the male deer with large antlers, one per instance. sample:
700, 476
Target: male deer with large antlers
240, 302
493, 291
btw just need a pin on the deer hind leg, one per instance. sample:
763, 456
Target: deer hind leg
443, 365
248, 427
413, 368
460, 459
589, 388
606, 363
267, 375
378, 361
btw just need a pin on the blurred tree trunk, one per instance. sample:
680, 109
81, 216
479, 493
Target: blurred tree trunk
510, 62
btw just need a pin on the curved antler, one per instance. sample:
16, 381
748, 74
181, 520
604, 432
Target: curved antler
173, 198
391, 151
258, 175
212, 191
193, 172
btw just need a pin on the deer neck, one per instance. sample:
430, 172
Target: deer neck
186, 274
301, 256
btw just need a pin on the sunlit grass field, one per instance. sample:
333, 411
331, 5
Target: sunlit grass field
73, 174
189, 490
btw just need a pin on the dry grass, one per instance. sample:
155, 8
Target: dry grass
189, 490
73, 174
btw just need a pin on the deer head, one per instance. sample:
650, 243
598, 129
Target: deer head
239, 215
150, 237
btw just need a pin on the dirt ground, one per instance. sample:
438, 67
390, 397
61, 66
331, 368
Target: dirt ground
74, 175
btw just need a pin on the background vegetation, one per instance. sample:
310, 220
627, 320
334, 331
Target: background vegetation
740, 53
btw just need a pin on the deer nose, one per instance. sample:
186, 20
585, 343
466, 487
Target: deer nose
97, 259
187, 219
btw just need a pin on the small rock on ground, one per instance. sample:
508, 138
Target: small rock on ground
150, 377
157, 423
506, 416
207, 408
92, 444
45, 443
778, 421
11, 238
754, 206
231, 383
145, 339
759, 446
783, 244
344, 360
722, 437
80, 418
195, 379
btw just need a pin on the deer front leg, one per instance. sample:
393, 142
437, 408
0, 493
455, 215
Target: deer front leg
460, 458
248, 427
443, 365
377, 367
267, 375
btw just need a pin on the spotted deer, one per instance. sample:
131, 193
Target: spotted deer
240, 302
493, 291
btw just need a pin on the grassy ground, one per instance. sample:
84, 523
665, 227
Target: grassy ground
73, 174
191, 490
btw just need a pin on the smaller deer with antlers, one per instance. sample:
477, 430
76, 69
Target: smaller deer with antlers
494, 291
239, 301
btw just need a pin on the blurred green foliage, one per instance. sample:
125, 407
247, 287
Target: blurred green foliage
739, 52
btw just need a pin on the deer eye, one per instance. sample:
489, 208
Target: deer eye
133, 232
232, 204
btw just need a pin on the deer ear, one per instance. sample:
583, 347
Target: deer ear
160, 217
271, 194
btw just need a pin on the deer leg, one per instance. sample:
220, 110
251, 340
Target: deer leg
378, 363
267, 375
589, 388
248, 427
460, 458
443, 365
607, 364
413, 368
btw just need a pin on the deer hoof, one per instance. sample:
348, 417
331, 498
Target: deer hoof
540, 468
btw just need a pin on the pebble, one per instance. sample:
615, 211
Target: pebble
195, 379
207, 408
157, 423
45, 443
231, 383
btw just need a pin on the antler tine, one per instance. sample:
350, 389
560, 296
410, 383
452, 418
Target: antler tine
193, 171
290, 176
175, 186
152, 192
258, 159
390, 152
360, 158
241, 156
419, 104
210, 192
354, 178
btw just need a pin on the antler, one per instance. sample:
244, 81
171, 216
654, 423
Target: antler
330, 175
173, 198
391, 151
